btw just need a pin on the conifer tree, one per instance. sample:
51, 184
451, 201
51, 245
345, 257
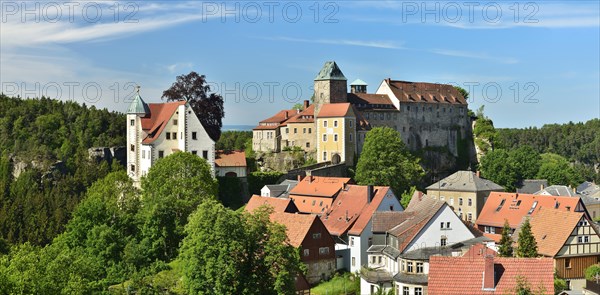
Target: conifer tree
505, 249
527, 246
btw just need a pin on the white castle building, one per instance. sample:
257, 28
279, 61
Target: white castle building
157, 130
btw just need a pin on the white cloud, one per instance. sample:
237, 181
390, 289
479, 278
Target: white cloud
476, 55
361, 43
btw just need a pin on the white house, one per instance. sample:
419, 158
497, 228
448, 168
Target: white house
403, 242
157, 130
231, 163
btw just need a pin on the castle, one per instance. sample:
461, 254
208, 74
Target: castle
157, 130
335, 125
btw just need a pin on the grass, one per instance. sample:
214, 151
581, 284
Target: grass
335, 286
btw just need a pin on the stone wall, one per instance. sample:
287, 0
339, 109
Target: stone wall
322, 269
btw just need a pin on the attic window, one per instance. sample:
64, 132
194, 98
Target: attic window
556, 205
519, 203
532, 207
501, 204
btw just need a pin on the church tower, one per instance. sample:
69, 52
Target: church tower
330, 86
137, 110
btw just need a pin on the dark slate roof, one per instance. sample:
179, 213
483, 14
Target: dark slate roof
465, 181
557, 191
460, 247
330, 71
276, 189
589, 189
376, 249
416, 279
530, 186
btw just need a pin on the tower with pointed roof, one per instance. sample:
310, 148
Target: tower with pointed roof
137, 110
330, 86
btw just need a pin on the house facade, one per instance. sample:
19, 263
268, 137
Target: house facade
316, 194
465, 192
231, 164
157, 130
336, 133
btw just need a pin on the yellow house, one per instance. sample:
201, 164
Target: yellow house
336, 133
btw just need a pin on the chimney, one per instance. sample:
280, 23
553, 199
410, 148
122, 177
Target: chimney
488, 273
300, 177
478, 173
286, 115
346, 215
369, 193
310, 179
306, 104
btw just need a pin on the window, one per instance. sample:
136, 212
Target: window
194, 153
309, 130
174, 135
583, 239
323, 250
308, 144
324, 137
470, 202
501, 204
405, 291
418, 291
132, 122
334, 123
441, 225
132, 148
194, 135
409, 266
567, 262
143, 154
353, 261
324, 156
335, 137
205, 154
350, 123
451, 201
489, 229
403, 265
350, 137
370, 241
168, 135
532, 207
175, 122
381, 116
419, 267
161, 154
351, 241
389, 116
583, 222
295, 130
460, 201
316, 236
443, 241
132, 168
324, 123
287, 130
304, 130
306, 252
379, 259
469, 217
448, 224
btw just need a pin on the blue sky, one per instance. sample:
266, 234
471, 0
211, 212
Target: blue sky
263, 56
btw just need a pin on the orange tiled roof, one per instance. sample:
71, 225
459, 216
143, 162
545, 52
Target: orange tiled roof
369, 98
334, 110
280, 117
425, 92
308, 204
305, 116
350, 212
479, 251
464, 275
319, 186
297, 225
278, 204
155, 122
516, 206
230, 159
551, 229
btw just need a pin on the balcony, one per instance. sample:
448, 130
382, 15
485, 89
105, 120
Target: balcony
375, 275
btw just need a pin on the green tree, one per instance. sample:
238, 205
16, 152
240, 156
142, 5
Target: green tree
526, 245
592, 273
557, 170
526, 162
505, 248
171, 191
498, 166
385, 160
484, 131
407, 196
462, 91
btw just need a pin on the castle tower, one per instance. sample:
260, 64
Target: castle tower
358, 86
137, 109
330, 86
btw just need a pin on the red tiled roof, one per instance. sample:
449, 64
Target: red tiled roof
335, 110
351, 211
306, 116
316, 205
425, 92
155, 122
278, 204
280, 117
266, 127
297, 225
478, 251
368, 98
464, 275
230, 159
551, 229
516, 206
319, 186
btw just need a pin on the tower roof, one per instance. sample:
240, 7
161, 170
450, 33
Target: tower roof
359, 82
330, 71
138, 106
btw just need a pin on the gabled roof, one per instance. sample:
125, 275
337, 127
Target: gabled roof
425, 92
406, 225
305, 116
587, 186
530, 186
516, 206
230, 159
369, 99
551, 229
319, 186
278, 204
351, 211
465, 181
276, 190
330, 71
464, 275
297, 225
160, 114
556, 190
280, 116
330, 110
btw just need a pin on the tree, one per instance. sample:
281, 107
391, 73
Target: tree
526, 245
497, 166
592, 273
385, 160
484, 131
557, 170
505, 248
526, 162
407, 196
298, 106
172, 190
462, 91
194, 89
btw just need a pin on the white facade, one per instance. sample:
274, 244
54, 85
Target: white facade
432, 234
182, 131
238, 170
